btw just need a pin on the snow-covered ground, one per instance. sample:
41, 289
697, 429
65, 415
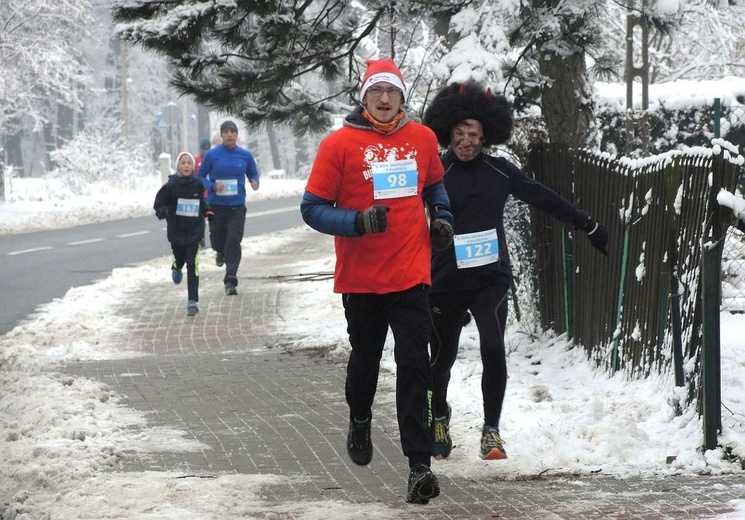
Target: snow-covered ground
563, 416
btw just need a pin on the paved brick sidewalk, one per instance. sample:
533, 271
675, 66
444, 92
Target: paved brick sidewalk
228, 379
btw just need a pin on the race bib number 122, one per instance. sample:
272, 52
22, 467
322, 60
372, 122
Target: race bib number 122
475, 249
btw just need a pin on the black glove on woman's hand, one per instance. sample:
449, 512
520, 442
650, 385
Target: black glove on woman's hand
597, 234
441, 233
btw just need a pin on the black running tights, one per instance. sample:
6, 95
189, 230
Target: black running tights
488, 306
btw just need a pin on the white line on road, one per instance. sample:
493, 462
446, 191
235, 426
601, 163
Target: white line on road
24, 251
274, 211
89, 241
136, 233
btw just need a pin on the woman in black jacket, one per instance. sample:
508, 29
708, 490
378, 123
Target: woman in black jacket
181, 202
474, 273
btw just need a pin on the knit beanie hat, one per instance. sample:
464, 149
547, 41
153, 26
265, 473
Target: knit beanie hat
460, 101
379, 71
204, 144
228, 125
180, 155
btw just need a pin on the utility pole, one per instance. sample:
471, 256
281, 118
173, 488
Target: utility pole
633, 70
392, 29
124, 87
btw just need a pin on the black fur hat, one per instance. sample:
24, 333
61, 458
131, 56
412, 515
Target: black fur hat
460, 101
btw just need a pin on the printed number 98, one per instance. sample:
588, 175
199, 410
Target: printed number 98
397, 180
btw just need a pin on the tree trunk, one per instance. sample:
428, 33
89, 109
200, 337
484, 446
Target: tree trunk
13, 151
49, 140
65, 125
302, 162
203, 123
566, 101
271, 133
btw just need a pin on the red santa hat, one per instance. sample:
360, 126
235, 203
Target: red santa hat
382, 71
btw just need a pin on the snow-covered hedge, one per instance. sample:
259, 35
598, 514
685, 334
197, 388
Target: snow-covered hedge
95, 155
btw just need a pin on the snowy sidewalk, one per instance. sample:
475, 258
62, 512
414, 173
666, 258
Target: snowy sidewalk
264, 424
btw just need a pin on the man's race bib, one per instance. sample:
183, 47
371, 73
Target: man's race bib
475, 249
187, 207
394, 179
229, 187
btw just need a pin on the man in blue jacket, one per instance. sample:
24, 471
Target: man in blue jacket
223, 171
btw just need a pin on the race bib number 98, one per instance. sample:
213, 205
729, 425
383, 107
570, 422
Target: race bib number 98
475, 249
394, 179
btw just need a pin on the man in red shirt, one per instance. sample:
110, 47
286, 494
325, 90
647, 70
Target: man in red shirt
368, 187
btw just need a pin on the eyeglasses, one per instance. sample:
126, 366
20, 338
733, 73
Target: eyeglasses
377, 92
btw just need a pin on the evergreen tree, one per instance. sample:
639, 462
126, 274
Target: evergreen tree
283, 61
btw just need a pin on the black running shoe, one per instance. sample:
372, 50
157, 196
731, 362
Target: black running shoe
176, 274
443, 441
423, 485
219, 260
230, 289
359, 445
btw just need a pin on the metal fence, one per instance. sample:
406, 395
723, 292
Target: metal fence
624, 308
733, 272
729, 123
676, 261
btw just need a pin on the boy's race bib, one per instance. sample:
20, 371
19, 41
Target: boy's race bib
187, 207
394, 179
229, 187
475, 249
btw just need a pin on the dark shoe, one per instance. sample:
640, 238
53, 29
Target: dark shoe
423, 485
443, 442
219, 260
230, 289
359, 445
191, 308
492, 445
176, 274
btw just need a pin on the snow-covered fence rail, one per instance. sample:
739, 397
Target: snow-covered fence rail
640, 309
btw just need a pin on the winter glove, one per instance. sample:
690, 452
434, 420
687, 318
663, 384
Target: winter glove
210, 215
597, 234
161, 213
441, 233
372, 220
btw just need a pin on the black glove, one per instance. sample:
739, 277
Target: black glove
441, 233
372, 220
209, 215
597, 234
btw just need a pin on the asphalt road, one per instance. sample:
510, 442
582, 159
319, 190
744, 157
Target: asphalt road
38, 267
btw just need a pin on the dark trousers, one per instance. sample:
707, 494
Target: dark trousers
489, 308
368, 318
226, 233
188, 255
